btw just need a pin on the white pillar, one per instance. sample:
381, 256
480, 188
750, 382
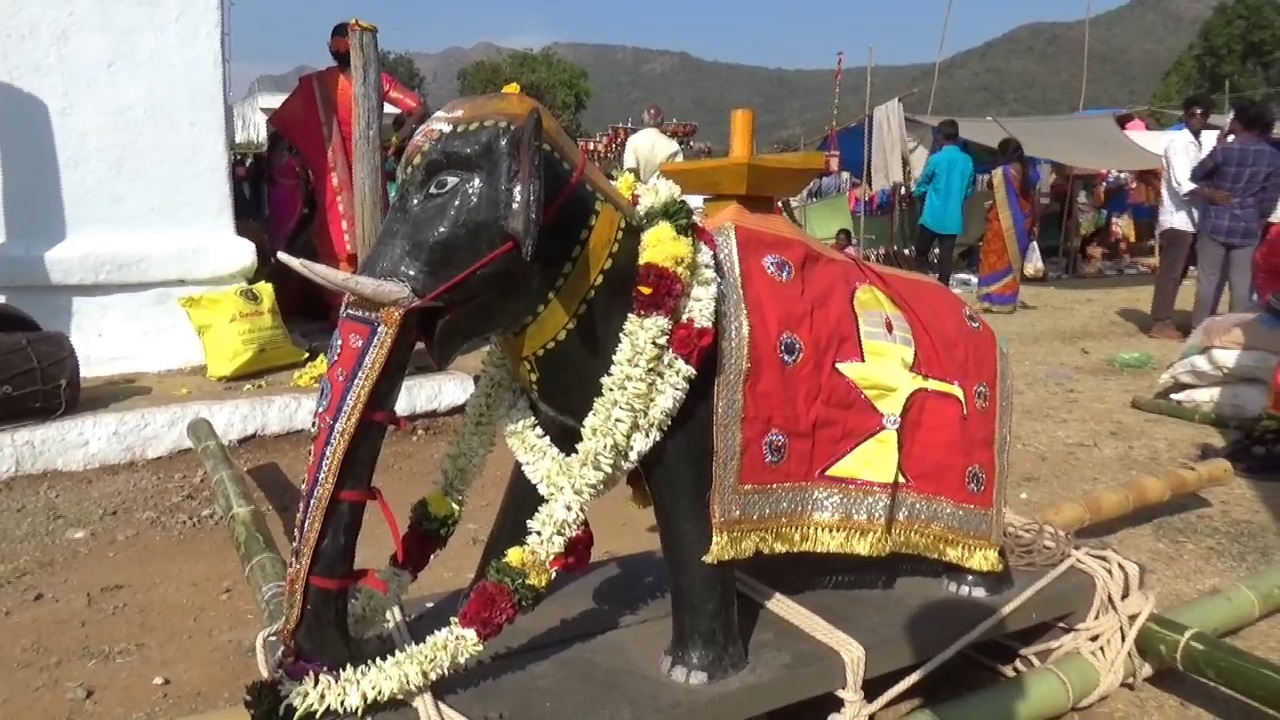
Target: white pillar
114, 175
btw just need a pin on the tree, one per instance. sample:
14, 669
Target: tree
402, 67
1239, 44
559, 84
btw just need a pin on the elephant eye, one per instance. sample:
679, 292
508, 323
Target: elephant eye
443, 184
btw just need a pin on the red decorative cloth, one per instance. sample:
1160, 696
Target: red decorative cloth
863, 406
1266, 264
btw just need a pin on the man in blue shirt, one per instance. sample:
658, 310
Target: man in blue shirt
945, 184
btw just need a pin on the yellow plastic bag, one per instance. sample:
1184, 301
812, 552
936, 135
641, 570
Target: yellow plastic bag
242, 331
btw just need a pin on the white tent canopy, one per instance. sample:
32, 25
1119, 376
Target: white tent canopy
249, 116
1087, 142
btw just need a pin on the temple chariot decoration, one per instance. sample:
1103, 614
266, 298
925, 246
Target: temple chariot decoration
605, 148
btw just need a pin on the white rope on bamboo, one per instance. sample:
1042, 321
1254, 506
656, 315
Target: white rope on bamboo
1105, 638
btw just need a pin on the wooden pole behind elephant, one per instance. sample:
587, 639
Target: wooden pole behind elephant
1117, 501
366, 135
260, 559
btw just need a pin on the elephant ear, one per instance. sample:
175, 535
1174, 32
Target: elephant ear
524, 191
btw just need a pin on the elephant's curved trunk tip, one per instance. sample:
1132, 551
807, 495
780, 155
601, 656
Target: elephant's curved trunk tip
381, 292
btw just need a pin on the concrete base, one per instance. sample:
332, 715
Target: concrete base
117, 299
99, 439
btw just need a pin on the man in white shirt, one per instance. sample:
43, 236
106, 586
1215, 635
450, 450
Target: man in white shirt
1176, 225
647, 149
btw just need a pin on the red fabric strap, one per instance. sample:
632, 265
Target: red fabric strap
506, 247
569, 187
388, 418
367, 578
375, 495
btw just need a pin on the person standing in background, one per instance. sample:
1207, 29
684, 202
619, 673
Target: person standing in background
646, 150
945, 183
1176, 218
1241, 180
316, 121
1012, 220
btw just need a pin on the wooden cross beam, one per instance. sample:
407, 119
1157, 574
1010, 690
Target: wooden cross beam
754, 182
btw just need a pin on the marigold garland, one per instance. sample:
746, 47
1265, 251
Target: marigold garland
663, 340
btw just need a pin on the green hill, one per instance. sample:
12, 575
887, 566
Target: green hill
1033, 69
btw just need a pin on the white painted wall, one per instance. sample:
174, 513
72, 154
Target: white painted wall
114, 191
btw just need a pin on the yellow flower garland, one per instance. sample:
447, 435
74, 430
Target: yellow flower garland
661, 245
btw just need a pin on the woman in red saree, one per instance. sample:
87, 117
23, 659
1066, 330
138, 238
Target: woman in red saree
316, 120
1011, 224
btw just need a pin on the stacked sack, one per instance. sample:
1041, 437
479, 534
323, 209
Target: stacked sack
1227, 366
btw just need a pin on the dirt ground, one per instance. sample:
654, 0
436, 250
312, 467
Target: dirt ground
120, 596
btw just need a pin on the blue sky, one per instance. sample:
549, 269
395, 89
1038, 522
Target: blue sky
269, 36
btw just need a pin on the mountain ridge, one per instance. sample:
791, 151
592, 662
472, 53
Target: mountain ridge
1033, 69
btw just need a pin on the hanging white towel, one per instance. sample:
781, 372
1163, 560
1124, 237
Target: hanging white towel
888, 145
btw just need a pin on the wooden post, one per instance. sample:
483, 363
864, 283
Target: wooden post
366, 135
260, 559
742, 132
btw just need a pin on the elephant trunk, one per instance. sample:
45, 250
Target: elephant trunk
368, 361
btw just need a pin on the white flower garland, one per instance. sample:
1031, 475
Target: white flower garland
644, 388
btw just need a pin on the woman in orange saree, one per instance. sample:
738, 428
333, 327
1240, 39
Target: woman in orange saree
316, 120
1011, 222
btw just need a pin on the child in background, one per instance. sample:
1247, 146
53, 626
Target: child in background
844, 243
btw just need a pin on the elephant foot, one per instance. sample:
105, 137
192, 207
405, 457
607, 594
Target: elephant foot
978, 585
701, 668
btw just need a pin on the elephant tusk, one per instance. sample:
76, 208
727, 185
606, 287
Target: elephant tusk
382, 292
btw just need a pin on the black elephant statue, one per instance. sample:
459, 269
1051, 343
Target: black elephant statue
845, 410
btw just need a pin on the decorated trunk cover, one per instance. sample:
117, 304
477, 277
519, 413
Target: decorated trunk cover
859, 409
357, 353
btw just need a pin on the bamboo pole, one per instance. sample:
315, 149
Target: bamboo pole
1050, 691
1168, 408
1203, 656
1144, 491
937, 62
260, 559
366, 135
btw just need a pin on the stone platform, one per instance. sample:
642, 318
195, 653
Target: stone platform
129, 418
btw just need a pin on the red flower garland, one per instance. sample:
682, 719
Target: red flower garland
658, 291
691, 342
577, 552
490, 607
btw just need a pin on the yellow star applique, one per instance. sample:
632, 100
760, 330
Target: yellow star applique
886, 378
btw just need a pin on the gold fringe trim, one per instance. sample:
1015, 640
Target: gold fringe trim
974, 555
